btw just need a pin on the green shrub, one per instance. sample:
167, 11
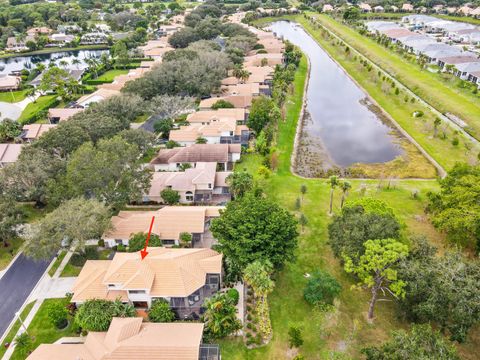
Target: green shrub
295, 338
234, 295
57, 314
455, 141
160, 311
91, 253
321, 288
121, 248
101, 243
78, 259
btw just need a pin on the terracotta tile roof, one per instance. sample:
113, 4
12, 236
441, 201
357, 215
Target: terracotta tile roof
170, 221
197, 153
63, 114
451, 60
398, 33
165, 272
9, 153
220, 178
194, 131
238, 101
215, 115
34, 131
99, 95
256, 60
129, 338
246, 89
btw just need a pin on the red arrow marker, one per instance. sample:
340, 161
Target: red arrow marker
144, 252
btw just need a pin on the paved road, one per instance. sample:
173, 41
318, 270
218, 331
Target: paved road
15, 286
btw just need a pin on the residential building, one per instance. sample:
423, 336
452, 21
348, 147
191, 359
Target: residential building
69, 29
407, 7
249, 89
201, 184
219, 132
9, 153
364, 7
94, 38
36, 31
264, 60
129, 338
327, 8
378, 9
32, 132
75, 74
61, 38
56, 115
18, 43
238, 101
225, 155
95, 97
170, 222
207, 116
182, 277
9, 82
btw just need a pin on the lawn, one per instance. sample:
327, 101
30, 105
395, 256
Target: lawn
13, 96
429, 86
43, 330
42, 103
465, 19
110, 75
11, 334
421, 129
72, 270
57, 262
8, 253
344, 330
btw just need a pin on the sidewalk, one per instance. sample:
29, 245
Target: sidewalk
47, 288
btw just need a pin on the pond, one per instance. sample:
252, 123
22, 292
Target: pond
7, 65
341, 127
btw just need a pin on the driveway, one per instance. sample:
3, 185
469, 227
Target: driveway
16, 285
14, 110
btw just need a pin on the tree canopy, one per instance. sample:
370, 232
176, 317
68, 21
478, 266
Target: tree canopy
97, 314
76, 220
254, 228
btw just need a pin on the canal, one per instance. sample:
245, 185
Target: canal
340, 127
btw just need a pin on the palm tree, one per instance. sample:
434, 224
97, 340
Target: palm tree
31, 92
345, 186
24, 344
40, 67
303, 190
303, 221
333, 182
76, 62
63, 63
436, 124
257, 275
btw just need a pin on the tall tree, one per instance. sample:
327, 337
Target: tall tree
376, 269
345, 186
262, 112
254, 228
11, 216
240, 182
456, 209
421, 342
74, 221
333, 182
110, 172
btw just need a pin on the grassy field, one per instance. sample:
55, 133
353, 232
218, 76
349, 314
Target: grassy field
13, 96
429, 86
11, 334
344, 331
420, 128
8, 253
110, 75
43, 330
466, 19
57, 262
34, 107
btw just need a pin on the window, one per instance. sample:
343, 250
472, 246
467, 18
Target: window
189, 196
118, 241
209, 186
231, 133
168, 242
136, 291
111, 285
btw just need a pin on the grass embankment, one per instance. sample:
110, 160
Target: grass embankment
345, 329
384, 15
13, 96
465, 19
13, 331
57, 262
420, 128
110, 75
41, 104
429, 86
8, 253
43, 331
